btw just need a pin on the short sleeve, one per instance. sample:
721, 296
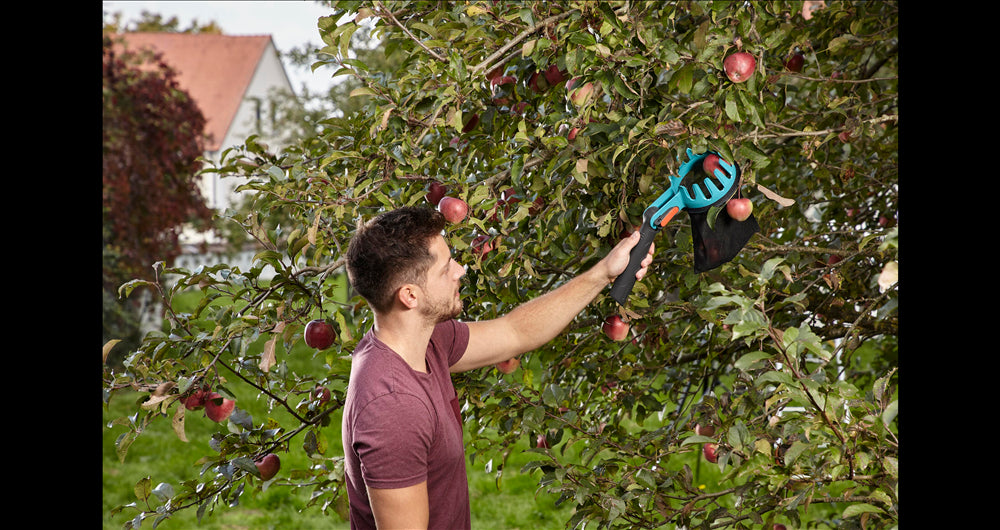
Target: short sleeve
392, 437
452, 339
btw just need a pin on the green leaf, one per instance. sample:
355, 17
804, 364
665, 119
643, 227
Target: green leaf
793, 452
143, 488
697, 439
855, 510
732, 110
747, 361
774, 377
890, 412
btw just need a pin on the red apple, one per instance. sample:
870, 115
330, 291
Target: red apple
509, 365
779, 527
436, 191
554, 76
218, 408
538, 82
704, 430
454, 209
711, 163
572, 133
542, 442
321, 394
319, 334
482, 245
197, 399
710, 451
502, 80
739, 209
495, 73
739, 66
615, 328
795, 61
268, 465
846, 136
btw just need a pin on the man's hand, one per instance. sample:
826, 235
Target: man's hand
617, 260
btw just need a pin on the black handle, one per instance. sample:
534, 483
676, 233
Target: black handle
626, 280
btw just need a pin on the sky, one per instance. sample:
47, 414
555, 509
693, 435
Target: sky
291, 24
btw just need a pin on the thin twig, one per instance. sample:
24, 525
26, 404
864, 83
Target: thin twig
420, 43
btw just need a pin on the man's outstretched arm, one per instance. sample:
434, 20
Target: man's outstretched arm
537, 321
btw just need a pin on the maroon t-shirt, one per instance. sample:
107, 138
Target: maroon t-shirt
402, 427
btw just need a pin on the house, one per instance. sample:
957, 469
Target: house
230, 79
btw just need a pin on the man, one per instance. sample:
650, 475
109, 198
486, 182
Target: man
402, 432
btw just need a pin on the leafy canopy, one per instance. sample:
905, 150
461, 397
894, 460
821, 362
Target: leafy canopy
789, 351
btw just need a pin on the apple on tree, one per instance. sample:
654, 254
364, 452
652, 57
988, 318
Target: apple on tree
739, 66
704, 430
483, 245
454, 209
320, 334
321, 394
196, 401
615, 328
435, 192
711, 452
541, 441
508, 366
217, 407
268, 466
795, 62
554, 75
739, 208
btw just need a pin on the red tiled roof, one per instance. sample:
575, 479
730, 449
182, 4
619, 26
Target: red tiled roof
215, 70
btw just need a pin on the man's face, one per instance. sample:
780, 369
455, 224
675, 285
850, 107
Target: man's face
441, 286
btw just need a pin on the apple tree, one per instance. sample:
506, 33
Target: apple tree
557, 123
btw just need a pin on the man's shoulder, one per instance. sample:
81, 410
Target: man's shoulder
450, 338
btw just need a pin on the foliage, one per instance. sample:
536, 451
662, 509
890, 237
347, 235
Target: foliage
152, 22
790, 350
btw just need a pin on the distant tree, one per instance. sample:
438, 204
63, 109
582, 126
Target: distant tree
154, 23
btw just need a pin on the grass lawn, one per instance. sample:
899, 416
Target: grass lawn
159, 454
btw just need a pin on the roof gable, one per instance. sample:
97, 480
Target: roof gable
215, 70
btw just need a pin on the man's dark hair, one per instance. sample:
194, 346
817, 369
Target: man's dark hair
390, 250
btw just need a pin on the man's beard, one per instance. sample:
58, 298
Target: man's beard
442, 310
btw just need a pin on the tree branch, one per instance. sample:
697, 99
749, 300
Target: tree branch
397, 23
486, 64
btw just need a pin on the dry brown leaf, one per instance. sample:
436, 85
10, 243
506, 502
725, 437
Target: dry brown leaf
774, 196
177, 422
267, 357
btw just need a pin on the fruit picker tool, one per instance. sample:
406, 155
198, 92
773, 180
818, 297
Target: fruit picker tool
679, 196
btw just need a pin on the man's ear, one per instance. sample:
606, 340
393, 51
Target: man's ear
408, 295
